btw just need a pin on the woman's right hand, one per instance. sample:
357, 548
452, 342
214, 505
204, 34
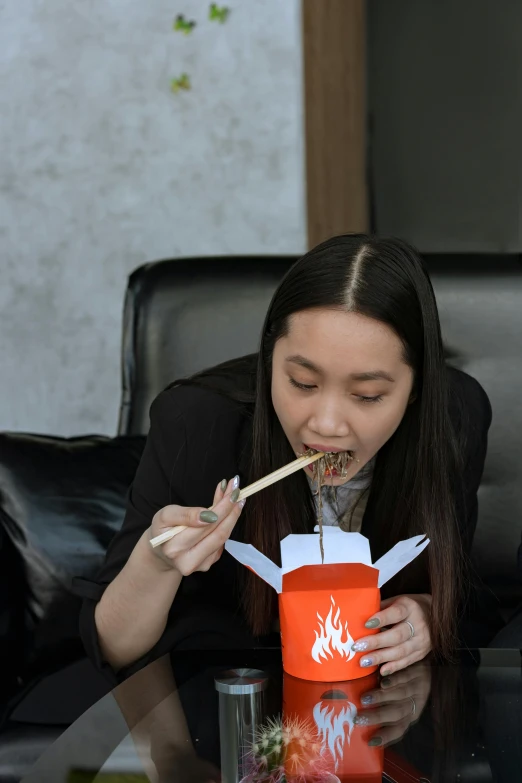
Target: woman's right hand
201, 545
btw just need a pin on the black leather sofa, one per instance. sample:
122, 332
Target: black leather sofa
61, 500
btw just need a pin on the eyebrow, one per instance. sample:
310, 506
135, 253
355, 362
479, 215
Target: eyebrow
375, 375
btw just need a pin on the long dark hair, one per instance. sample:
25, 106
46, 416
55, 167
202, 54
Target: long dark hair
414, 487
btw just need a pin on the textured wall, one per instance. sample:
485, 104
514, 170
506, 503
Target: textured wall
103, 168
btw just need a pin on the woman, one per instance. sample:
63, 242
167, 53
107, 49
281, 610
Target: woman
351, 358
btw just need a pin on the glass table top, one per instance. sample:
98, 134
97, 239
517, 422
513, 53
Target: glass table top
235, 716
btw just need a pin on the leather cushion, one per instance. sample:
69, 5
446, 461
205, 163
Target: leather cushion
12, 598
61, 501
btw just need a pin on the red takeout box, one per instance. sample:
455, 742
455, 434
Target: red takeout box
323, 607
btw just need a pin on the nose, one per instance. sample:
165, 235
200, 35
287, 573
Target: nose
329, 421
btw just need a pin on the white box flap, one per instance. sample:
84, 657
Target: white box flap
398, 557
303, 549
262, 565
339, 547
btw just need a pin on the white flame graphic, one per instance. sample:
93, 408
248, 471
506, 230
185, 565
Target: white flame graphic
335, 725
330, 637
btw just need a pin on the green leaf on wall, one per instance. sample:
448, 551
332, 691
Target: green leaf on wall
181, 83
218, 13
183, 25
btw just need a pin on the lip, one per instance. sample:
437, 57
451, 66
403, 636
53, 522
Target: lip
322, 447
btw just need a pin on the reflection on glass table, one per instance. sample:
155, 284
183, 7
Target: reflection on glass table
236, 717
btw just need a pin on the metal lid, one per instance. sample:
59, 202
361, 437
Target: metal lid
240, 682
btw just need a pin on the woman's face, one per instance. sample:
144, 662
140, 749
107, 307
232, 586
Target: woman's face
339, 383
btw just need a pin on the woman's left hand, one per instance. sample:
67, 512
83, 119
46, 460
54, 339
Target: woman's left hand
395, 648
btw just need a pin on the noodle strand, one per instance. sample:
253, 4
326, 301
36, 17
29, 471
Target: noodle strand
331, 461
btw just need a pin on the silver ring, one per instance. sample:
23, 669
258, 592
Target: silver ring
412, 629
413, 705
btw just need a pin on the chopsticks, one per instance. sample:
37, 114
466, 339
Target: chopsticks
257, 486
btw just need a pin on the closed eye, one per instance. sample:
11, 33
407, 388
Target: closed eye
365, 400
302, 386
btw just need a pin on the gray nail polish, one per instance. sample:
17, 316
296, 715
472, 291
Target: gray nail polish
361, 720
372, 623
208, 516
360, 646
224, 485
241, 503
368, 699
235, 483
386, 681
374, 742
365, 662
234, 496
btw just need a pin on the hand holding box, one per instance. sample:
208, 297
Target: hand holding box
323, 607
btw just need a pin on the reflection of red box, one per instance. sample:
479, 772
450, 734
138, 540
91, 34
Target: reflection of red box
329, 708
323, 607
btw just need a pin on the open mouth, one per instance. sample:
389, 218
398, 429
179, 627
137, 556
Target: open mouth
333, 464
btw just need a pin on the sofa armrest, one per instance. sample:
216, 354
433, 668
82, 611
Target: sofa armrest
61, 502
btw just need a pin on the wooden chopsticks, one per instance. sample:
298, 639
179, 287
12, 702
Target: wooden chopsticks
257, 486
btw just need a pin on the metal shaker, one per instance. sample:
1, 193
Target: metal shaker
241, 712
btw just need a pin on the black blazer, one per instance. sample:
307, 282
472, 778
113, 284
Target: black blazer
198, 437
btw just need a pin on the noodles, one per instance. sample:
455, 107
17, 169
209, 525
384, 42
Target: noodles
323, 468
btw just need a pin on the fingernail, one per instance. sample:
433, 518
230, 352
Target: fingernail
368, 699
366, 662
372, 623
235, 482
234, 496
361, 720
386, 680
241, 503
224, 485
360, 646
208, 516
374, 742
